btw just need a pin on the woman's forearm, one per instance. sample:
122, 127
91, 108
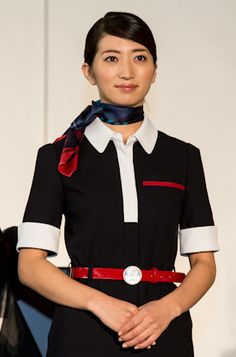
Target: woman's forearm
199, 279
154, 317
42, 276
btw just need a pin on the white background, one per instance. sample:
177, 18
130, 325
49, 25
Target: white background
42, 90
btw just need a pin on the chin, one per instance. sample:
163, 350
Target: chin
126, 102
132, 104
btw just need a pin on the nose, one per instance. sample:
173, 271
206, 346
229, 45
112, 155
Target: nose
126, 70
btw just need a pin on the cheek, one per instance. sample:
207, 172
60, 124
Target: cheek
147, 76
104, 76
147, 81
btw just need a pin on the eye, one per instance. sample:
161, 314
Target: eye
141, 58
110, 59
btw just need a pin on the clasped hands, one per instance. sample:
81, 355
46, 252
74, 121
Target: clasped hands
145, 325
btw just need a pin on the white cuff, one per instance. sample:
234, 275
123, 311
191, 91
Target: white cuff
198, 239
38, 235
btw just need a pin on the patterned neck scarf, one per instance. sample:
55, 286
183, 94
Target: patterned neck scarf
108, 113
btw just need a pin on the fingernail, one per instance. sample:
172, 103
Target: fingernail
149, 347
124, 345
136, 347
120, 333
154, 343
120, 339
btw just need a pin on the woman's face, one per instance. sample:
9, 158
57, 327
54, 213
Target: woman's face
123, 71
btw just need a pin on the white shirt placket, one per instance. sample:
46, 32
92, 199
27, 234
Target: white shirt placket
127, 176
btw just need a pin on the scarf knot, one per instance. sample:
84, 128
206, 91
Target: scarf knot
108, 113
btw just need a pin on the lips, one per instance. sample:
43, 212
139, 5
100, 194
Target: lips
127, 87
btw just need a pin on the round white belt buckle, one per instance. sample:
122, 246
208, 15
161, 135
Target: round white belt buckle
132, 275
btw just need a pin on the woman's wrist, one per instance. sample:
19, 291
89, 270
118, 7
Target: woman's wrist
172, 306
94, 300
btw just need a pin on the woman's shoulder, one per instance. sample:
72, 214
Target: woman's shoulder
175, 143
50, 151
52, 148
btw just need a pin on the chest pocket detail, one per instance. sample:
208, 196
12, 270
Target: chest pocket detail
169, 184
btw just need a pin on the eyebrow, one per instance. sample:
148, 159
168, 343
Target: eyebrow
134, 50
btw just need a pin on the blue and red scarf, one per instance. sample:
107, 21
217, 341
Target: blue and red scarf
109, 113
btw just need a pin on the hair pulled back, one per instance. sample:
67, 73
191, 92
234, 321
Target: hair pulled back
120, 24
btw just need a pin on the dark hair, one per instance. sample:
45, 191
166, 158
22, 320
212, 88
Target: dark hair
120, 24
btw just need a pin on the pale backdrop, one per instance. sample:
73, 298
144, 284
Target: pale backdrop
42, 90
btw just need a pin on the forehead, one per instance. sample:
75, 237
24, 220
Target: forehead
109, 42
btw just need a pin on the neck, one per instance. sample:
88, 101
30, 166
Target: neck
125, 130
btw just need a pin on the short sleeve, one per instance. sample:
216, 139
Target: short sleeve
42, 218
197, 229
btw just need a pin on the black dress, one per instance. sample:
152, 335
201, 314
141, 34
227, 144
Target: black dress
96, 234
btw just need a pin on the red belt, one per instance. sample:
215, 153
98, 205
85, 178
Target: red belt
131, 275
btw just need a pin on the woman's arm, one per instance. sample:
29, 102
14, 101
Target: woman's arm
154, 317
199, 279
45, 278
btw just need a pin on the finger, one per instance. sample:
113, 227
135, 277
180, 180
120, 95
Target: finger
149, 341
133, 321
139, 339
129, 314
138, 330
126, 318
150, 346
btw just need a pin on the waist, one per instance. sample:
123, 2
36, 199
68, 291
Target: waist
132, 275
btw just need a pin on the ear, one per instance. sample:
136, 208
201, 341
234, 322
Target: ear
88, 73
154, 74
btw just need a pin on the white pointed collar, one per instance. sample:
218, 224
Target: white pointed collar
99, 135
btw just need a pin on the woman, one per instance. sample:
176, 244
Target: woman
124, 188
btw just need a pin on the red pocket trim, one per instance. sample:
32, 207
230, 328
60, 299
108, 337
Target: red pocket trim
164, 184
